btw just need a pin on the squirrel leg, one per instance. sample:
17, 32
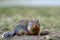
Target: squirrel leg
23, 32
39, 33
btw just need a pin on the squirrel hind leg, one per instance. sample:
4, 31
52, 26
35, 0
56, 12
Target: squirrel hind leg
23, 32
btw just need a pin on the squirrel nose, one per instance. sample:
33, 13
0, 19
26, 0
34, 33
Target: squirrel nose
35, 26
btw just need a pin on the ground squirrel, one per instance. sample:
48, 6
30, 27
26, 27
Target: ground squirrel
24, 27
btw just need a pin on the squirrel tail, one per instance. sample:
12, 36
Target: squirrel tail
8, 34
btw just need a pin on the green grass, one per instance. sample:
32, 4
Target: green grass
49, 16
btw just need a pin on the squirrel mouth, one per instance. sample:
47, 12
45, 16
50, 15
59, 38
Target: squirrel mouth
35, 30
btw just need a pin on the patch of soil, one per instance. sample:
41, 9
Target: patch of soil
53, 35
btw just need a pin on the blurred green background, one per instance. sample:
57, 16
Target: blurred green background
48, 16
48, 12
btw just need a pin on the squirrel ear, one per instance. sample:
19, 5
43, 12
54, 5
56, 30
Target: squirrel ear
31, 20
37, 20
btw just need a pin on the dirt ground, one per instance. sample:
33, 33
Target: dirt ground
53, 35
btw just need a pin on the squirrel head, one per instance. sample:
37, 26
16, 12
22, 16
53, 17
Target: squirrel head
34, 26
